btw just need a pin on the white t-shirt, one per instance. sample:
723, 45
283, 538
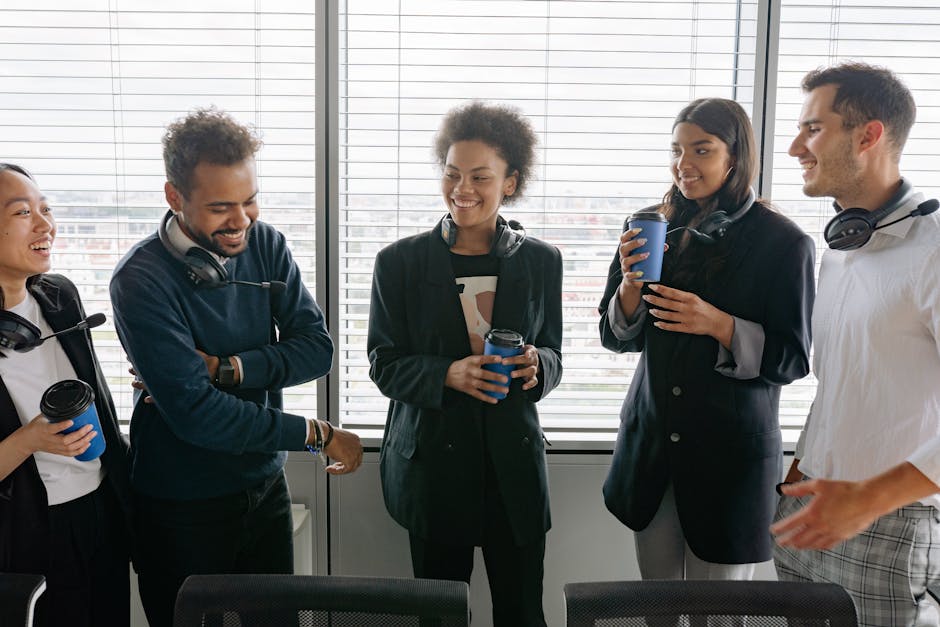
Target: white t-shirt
26, 376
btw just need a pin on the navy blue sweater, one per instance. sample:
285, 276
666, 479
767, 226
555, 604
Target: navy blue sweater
198, 441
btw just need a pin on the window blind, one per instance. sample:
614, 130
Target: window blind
897, 35
88, 87
601, 82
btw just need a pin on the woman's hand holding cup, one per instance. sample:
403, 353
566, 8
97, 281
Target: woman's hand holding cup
41, 435
629, 242
467, 375
526, 366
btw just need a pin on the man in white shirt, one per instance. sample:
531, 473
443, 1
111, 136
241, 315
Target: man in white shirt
860, 503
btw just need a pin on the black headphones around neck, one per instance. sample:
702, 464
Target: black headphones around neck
716, 224
508, 239
202, 268
851, 228
17, 333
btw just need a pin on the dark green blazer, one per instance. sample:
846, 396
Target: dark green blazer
436, 439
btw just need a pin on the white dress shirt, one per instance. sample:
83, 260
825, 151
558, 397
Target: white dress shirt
876, 330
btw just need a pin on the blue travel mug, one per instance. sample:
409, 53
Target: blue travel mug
654, 226
74, 400
504, 343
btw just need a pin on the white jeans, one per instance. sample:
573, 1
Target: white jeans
663, 553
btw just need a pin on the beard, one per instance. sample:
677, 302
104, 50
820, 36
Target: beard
840, 173
210, 244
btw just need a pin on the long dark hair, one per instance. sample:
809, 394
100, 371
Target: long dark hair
19, 170
726, 120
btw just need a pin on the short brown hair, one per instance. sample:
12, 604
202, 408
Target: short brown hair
867, 92
502, 127
206, 135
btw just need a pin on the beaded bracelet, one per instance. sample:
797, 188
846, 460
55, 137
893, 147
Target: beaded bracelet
317, 447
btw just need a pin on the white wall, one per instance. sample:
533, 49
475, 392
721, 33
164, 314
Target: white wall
586, 543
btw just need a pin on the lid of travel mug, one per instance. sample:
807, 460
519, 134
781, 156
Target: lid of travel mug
66, 399
654, 216
503, 337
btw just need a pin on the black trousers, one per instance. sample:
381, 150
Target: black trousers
88, 581
246, 532
515, 573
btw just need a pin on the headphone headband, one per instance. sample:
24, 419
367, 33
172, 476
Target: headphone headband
509, 236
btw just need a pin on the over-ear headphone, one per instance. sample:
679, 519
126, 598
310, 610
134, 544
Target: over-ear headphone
852, 228
716, 224
202, 268
508, 239
21, 335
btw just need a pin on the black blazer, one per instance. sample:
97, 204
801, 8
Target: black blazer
716, 438
24, 510
432, 460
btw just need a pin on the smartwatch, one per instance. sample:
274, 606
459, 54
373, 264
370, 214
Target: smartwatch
225, 375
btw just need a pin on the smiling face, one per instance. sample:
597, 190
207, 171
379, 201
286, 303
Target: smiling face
474, 184
700, 162
222, 207
27, 231
825, 149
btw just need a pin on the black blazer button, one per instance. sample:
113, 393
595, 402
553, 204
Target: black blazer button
449, 447
677, 391
525, 441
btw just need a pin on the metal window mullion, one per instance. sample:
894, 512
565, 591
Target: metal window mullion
327, 245
766, 56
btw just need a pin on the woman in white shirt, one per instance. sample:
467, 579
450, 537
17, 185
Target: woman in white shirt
59, 517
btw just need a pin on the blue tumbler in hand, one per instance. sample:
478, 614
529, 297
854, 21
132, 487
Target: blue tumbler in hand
654, 226
74, 400
504, 343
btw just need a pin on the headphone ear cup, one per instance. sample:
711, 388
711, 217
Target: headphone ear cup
715, 224
203, 268
449, 231
501, 240
849, 229
509, 237
18, 333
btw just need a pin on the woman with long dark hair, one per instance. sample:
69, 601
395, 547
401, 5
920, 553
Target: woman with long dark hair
698, 452
61, 517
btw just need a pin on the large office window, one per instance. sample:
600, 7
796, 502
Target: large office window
814, 33
86, 88
601, 83
89, 85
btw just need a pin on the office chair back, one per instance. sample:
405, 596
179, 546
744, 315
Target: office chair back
18, 596
320, 601
690, 603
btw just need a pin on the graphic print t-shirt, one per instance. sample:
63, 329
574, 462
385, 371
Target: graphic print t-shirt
477, 276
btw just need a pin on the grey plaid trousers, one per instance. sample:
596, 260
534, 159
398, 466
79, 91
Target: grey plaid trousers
886, 569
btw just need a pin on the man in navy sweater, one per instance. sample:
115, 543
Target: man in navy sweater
208, 445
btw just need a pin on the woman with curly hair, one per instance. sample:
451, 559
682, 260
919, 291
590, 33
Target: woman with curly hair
463, 465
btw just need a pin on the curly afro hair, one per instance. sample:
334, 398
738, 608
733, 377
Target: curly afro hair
500, 126
206, 135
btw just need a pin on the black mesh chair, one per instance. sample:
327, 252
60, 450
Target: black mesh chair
18, 596
315, 601
708, 603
